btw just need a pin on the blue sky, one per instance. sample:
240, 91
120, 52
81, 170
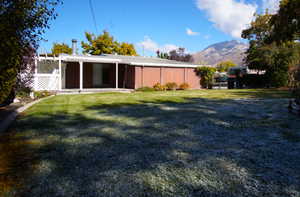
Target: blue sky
156, 24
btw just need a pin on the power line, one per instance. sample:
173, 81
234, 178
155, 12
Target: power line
93, 15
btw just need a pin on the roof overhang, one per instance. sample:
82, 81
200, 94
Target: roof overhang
76, 58
164, 65
95, 59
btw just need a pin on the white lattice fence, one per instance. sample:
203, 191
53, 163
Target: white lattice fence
48, 82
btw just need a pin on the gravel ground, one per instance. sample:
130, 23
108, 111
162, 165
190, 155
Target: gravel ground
202, 147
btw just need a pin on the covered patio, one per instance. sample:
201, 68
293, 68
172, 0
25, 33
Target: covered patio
82, 73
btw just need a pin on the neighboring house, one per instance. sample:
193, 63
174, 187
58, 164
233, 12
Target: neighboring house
110, 71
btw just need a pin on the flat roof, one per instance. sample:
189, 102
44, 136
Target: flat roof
122, 59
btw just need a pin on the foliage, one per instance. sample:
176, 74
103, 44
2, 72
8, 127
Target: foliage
207, 75
41, 94
106, 44
25, 92
276, 58
254, 81
126, 49
184, 86
58, 48
225, 65
286, 23
177, 55
171, 86
22, 24
159, 87
162, 55
145, 89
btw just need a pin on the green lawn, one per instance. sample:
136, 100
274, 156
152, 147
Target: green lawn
177, 143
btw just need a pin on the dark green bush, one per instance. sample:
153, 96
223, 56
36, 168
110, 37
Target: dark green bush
171, 86
23, 92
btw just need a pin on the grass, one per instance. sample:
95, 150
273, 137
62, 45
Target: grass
177, 143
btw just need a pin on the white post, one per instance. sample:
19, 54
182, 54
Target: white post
60, 78
81, 74
35, 85
117, 75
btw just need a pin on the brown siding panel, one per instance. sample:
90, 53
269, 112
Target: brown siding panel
72, 75
87, 75
148, 76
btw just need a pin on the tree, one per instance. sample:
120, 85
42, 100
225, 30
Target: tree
207, 75
22, 24
286, 23
177, 55
106, 44
58, 48
225, 65
180, 55
264, 54
258, 33
126, 49
162, 55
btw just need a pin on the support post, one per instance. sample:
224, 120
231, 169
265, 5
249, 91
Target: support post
60, 73
35, 74
81, 75
117, 75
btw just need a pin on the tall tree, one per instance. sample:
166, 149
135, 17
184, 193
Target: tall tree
106, 44
264, 54
225, 65
286, 23
22, 24
59, 48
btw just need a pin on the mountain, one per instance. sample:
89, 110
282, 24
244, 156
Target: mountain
229, 50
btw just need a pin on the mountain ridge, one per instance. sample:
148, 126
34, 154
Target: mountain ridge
228, 50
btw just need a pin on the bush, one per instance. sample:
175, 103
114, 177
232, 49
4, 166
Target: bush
23, 92
159, 87
145, 89
207, 75
41, 94
184, 86
171, 86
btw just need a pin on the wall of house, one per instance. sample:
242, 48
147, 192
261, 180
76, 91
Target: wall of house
148, 76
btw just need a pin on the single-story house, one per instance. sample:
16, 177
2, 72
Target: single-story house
110, 71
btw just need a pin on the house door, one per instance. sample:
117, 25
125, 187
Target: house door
72, 75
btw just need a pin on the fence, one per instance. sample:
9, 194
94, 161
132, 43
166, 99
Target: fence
49, 82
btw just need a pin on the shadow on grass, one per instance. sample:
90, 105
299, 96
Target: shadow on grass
262, 93
155, 148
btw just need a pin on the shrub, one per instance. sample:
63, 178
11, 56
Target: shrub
159, 87
23, 92
171, 86
184, 86
145, 89
207, 75
41, 94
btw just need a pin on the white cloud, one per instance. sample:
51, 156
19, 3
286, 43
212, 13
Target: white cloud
168, 47
149, 45
191, 33
229, 16
271, 5
206, 37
